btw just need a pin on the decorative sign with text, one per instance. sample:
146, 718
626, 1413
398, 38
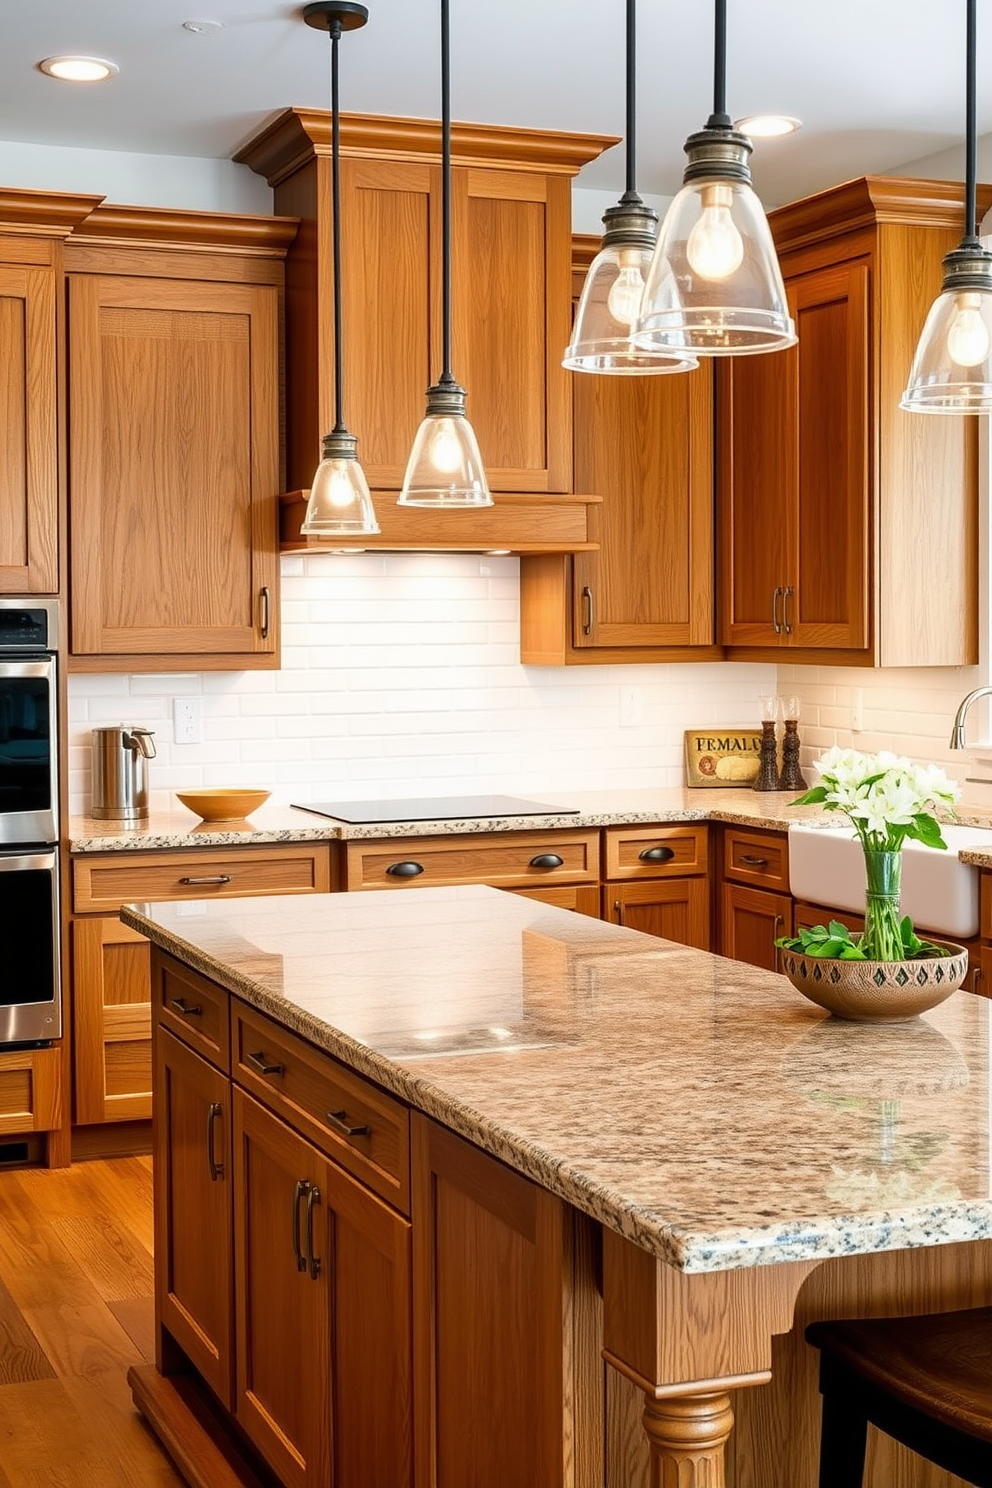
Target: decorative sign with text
721, 756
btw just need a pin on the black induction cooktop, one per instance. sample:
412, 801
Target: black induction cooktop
434, 808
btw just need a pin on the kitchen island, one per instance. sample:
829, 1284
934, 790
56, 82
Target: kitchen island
733, 1161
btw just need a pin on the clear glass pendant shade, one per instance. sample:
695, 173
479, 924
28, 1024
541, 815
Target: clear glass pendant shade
340, 504
952, 368
445, 467
608, 307
715, 287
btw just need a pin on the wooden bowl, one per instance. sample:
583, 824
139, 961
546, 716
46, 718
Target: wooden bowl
216, 805
877, 991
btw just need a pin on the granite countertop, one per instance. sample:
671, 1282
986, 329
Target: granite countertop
275, 823
697, 1105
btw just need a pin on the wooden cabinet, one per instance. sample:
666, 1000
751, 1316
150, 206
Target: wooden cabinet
510, 300
645, 445
174, 459
657, 881
755, 903
503, 859
30, 1091
111, 991
837, 510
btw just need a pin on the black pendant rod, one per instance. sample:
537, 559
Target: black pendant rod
719, 119
446, 376
334, 29
631, 87
971, 129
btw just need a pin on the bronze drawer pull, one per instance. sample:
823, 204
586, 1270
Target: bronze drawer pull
266, 616
547, 860
657, 854
589, 615
618, 911
336, 1120
302, 1187
786, 622
209, 878
776, 623
186, 1009
313, 1198
215, 1168
259, 1063
778, 926
405, 870
753, 862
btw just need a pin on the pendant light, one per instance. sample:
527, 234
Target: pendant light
715, 287
611, 294
340, 504
445, 468
952, 368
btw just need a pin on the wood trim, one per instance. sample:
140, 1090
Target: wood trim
295, 136
48, 214
181, 1417
163, 227
869, 200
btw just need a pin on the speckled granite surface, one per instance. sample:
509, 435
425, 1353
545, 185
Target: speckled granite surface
596, 809
697, 1105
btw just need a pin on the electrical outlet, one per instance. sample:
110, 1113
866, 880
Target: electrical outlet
187, 720
858, 710
630, 707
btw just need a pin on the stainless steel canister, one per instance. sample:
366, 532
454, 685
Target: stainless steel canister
120, 772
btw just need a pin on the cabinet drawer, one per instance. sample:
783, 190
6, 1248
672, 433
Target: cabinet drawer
755, 857
104, 882
370, 1133
655, 852
583, 898
30, 1090
505, 859
193, 1008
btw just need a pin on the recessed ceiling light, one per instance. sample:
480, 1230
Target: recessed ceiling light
203, 28
767, 126
79, 69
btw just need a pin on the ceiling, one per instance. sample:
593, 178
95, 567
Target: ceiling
877, 83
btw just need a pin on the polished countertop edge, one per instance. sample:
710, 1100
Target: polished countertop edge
816, 1239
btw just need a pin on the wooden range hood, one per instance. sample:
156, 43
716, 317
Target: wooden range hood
512, 314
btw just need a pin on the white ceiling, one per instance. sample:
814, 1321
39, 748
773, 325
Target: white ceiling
878, 83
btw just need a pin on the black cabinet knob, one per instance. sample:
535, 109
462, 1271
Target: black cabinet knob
657, 854
547, 860
405, 870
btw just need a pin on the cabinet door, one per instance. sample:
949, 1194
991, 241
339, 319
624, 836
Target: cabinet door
752, 920
29, 470
511, 249
673, 908
111, 1022
645, 444
174, 470
193, 1241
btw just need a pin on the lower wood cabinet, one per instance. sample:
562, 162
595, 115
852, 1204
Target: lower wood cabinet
657, 881
30, 1091
112, 1062
751, 922
675, 908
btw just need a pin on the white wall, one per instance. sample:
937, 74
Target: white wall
401, 677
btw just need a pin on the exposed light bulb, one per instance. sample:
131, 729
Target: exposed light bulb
446, 451
340, 489
968, 341
624, 299
715, 248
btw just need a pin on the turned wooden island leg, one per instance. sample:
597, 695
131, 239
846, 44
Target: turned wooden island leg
688, 1434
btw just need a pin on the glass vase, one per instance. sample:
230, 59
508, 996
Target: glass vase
882, 939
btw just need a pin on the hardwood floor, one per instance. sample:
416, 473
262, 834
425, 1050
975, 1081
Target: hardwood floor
76, 1311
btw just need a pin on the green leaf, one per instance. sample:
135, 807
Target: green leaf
851, 953
926, 829
839, 931
910, 943
813, 797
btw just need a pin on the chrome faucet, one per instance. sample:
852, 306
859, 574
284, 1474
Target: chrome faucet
957, 732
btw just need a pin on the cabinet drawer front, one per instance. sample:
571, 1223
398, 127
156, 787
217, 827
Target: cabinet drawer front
582, 898
655, 852
193, 1008
755, 857
30, 1090
105, 882
511, 859
362, 1128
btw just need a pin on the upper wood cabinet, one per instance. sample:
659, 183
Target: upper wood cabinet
174, 459
848, 528
510, 300
33, 225
646, 591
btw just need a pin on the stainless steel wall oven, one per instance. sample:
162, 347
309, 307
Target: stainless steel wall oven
30, 970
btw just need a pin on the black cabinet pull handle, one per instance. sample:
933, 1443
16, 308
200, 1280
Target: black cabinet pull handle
215, 1168
777, 928
209, 878
338, 1122
186, 1009
589, 611
266, 609
302, 1186
547, 860
313, 1199
657, 855
405, 870
786, 622
618, 911
776, 623
753, 862
261, 1065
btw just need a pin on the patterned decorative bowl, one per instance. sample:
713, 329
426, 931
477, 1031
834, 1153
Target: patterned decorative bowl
217, 805
877, 991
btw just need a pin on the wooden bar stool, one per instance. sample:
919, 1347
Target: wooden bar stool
926, 1381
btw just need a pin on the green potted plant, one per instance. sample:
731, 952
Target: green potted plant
887, 799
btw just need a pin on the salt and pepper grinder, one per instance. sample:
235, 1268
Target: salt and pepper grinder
767, 776
791, 777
